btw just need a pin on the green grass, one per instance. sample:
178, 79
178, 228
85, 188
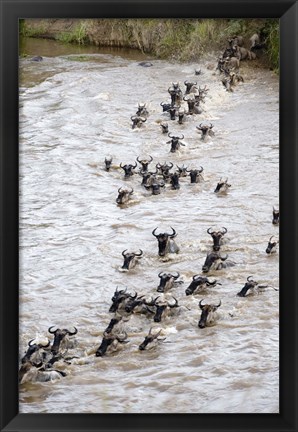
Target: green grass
78, 35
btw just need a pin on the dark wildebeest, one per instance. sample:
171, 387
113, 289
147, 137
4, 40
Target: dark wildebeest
131, 259
108, 162
272, 244
166, 244
167, 281
110, 342
128, 169
164, 127
163, 307
151, 339
195, 175
61, 339
222, 187
205, 130
275, 216
214, 261
137, 121
208, 315
124, 195
217, 237
198, 284
144, 163
175, 142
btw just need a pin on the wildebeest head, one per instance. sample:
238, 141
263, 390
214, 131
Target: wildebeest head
182, 170
137, 121
144, 163
163, 241
271, 247
165, 106
151, 337
123, 195
166, 281
199, 282
133, 303
176, 93
222, 186
120, 297
108, 162
175, 142
35, 352
59, 336
213, 261
217, 236
155, 186
189, 86
205, 130
107, 340
142, 110
174, 180
250, 284
130, 259
195, 174
164, 127
164, 169
161, 306
128, 169
181, 115
173, 112
275, 214
191, 102
207, 311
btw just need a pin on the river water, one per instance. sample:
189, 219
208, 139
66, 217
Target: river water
75, 109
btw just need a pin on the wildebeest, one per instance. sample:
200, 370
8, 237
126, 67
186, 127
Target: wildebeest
162, 307
151, 339
164, 127
36, 352
275, 216
30, 372
235, 41
131, 259
62, 339
144, 163
254, 40
217, 237
193, 105
198, 284
208, 315
155, 186
272, 244
128, 169
182, 170
175, 142
164, 169
174, 180
119, 299
108, 162
142, 110
113, 322
173, 112
165, 106
222, 187
175, 93
215, 261
124, 195
166, 244
244, 54
137, 121
196, 175
181, 115
167, 281
250, 284
110, 342
205, 130
190, 86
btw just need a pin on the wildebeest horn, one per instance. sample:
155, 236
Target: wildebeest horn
209, 230
201, 170
219, 304
200, 304
119, 189
225, 230
181, 137
195, 277
211, 126
175, 304
169, 135
153, 232
171, 165
174, 233
123, 254
51, 331
30, 342
133, 117
185, 82
139, 254
176, 277
138, 159
121, 165
160, 273
131, 192
135, 165
249, 279
73, 333
223, 258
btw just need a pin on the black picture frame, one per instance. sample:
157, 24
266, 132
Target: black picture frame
11, 12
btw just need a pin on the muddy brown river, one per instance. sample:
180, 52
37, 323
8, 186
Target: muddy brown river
75, 109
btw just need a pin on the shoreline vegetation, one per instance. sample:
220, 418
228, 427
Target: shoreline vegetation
182, 40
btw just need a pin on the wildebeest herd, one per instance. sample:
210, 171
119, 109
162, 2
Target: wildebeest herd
44, 360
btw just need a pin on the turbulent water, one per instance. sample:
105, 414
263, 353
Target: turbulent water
75, 111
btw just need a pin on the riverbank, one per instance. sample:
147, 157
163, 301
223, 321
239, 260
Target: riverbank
174, 39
